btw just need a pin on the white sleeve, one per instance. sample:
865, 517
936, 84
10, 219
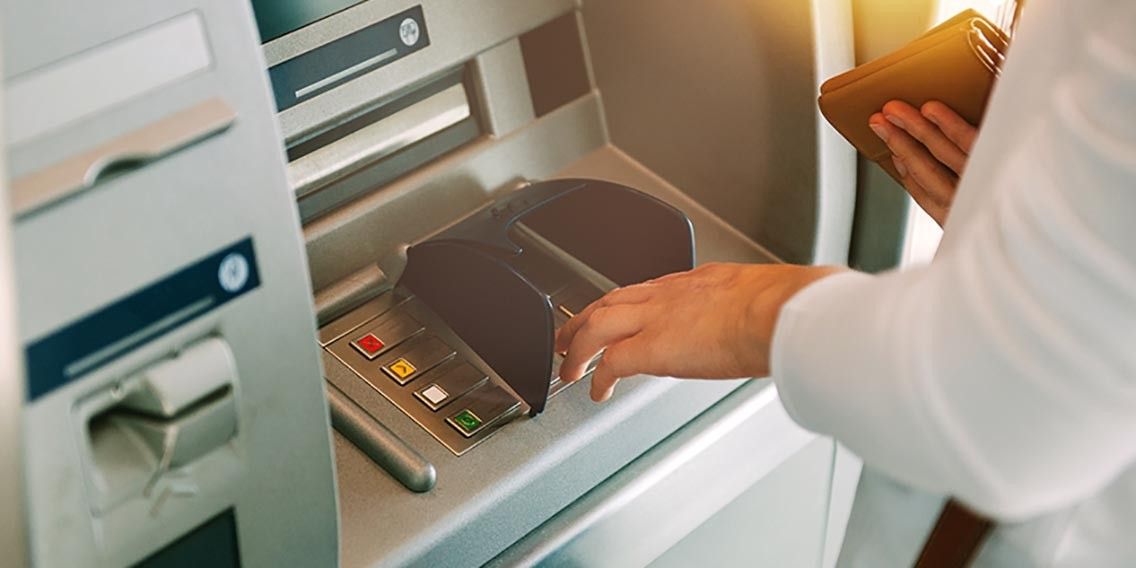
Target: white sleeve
1005, 372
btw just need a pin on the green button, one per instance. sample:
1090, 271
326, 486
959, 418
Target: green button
467, 420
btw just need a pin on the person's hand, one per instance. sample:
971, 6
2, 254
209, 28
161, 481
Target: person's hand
715, 321
929, 147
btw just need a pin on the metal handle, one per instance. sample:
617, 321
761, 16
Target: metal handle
380, 444
131, 150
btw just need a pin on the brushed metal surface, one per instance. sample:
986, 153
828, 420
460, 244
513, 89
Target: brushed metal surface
12, 521
492, 496
736, 443
100, 246
458, 31
111, 74
135, 149
403, 396
504, 101
347, 294
374, 142
415, 205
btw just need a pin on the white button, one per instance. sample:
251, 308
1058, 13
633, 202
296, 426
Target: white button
435, 395
408, 31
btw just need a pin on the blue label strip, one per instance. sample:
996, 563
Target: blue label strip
90, 343
326, 67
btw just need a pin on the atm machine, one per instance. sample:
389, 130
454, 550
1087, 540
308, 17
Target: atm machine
288, 276
12, 529
173, 411
468, 175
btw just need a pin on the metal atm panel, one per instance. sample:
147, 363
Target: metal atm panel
174, 403
12, 524
409, 496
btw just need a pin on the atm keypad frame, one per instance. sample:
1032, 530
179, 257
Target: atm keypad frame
464, 342
429, 373
422, 353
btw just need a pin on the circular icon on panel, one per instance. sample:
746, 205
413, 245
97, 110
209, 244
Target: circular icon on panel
408, 31
233, 273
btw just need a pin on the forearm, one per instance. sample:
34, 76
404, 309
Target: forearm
1004, 372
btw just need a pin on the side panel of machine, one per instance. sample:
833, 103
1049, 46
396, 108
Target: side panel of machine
208, 409
12, 525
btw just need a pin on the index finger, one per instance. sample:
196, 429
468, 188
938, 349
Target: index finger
604, 326
626, 295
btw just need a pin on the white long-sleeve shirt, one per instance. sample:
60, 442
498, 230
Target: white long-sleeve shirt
1004, 373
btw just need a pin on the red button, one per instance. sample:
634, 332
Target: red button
370, 343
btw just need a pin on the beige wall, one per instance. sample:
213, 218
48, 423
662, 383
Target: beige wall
718, 97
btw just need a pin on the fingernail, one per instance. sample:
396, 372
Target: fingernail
895, 120
880, 131
899, 166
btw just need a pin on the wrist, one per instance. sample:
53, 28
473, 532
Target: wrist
764, 310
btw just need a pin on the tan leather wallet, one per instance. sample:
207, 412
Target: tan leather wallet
955, 62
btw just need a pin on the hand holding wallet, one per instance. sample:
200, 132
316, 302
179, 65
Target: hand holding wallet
956, 62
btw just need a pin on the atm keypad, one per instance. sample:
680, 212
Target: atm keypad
482, 407
401, 350
413, 359
369, 345
449, 382
400, 370
386, 334
467, 422
433, 395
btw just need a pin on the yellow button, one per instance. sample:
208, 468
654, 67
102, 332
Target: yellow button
402, 368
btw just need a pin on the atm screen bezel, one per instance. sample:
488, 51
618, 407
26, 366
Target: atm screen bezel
261, 9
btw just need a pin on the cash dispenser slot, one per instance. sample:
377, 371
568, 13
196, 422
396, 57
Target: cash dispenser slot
348, 158
314, 167
463, 344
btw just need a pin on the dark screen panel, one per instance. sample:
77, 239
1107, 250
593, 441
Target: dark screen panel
213, 544
278, 17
